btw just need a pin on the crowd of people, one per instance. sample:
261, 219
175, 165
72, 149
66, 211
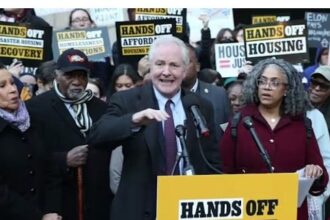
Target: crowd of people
89, 139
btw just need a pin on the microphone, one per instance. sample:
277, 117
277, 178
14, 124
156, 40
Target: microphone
180, 131
248, 123
200, 122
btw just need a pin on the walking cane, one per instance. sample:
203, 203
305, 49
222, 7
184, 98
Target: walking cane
80, 194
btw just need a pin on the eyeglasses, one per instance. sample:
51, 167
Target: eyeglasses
323, 86
272, 83
78, 20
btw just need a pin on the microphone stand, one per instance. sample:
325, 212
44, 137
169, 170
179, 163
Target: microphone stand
209, 165
176, 163
248, 123
188, 169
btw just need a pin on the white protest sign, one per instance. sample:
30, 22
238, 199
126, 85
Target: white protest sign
230, 58
106, 16
218, 18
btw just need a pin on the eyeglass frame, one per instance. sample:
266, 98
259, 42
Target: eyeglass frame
83, 19
272, 83
323, 86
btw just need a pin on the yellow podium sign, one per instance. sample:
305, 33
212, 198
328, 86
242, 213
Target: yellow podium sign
215, 197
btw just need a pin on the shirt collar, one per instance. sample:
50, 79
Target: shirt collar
162, 99
194, 88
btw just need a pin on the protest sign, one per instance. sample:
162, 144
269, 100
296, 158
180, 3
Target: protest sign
218, 17
261, 19
318, 25
30, 44
106, 16
285, 40
230, 57
179, 14
93, 42
135, 37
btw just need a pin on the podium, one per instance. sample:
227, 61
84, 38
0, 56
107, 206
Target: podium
236, 196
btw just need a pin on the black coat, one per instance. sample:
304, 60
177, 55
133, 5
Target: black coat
136, 195
62, 135
27, 184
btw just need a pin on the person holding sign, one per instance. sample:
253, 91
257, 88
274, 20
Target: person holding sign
80, 19
275, 103
139, 120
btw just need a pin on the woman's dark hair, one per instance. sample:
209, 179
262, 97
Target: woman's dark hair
219, 40
80, 9
122, 69
2, 66
46, 72
234, 83
220, 34
210, 75
97, 82
242, 76
238, 27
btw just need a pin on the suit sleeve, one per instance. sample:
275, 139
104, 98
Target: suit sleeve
114, 126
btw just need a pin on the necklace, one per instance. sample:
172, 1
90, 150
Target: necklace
274, 120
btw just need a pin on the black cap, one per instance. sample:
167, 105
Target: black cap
73, 59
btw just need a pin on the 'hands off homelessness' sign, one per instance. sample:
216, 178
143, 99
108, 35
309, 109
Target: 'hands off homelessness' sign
93, 42
281, 40
31, 44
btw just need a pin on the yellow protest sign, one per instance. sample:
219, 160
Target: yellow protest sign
215, 197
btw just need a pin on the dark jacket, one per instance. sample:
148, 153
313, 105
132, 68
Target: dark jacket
287, 154
219, 100
61, 136
143, 150
27, 181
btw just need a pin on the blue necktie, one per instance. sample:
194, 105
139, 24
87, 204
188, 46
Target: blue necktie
170, 139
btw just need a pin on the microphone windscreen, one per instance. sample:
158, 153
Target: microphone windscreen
190, 100
248, 123
180, 130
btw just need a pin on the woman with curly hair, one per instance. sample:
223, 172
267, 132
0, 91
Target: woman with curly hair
276, 102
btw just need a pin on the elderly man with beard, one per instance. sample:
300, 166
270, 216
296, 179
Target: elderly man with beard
69, 111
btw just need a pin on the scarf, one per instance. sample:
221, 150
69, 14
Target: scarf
82, 119
19, 119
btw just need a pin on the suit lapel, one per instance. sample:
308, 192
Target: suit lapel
153, 132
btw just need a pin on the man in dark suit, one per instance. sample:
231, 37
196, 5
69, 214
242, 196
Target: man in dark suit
138, 119
69, 110
215, 94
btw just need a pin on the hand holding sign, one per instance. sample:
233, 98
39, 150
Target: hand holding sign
16, 67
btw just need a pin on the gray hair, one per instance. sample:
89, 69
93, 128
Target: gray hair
296, 100
169, 39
